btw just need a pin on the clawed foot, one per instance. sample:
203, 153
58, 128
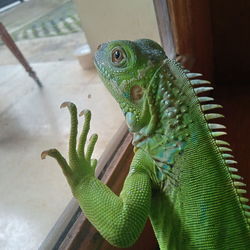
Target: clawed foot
80, 162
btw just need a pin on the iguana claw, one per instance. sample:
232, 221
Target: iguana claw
66, 104
85, 112
54, 153
44, 154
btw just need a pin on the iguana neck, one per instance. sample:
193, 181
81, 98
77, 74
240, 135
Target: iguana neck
169, 104
170, 127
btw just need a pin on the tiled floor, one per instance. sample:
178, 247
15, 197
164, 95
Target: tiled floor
45, 49
34, 192
58, 21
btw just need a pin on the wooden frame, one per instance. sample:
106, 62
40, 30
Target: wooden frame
185, 30
165, 27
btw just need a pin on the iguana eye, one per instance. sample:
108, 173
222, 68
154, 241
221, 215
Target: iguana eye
117, 55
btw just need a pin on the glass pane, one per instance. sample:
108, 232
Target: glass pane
34, 192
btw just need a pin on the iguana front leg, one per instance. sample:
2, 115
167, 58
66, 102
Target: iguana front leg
120, 219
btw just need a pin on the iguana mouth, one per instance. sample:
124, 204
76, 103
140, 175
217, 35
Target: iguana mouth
104, 73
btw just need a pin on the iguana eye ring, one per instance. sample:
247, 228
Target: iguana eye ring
117, 55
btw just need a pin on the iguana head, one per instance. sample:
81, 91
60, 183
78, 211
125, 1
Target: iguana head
127, 69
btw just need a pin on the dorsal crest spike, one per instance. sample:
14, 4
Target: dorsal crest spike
213, 116
241, 191
246, 206
236, 177
247, 213
196, 82
215, 126
206, 107
233, 169
202, 89
219, 133
244, 200
205, 99
227, 156
193, 75
221, 142
225, 149
239, 184
231, 162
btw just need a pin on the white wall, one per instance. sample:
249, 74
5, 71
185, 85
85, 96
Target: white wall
105, 20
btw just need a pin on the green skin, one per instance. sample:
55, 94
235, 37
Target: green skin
181, 176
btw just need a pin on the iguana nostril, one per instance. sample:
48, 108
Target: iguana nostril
99, 46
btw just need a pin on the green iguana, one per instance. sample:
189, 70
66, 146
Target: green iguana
182, 177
